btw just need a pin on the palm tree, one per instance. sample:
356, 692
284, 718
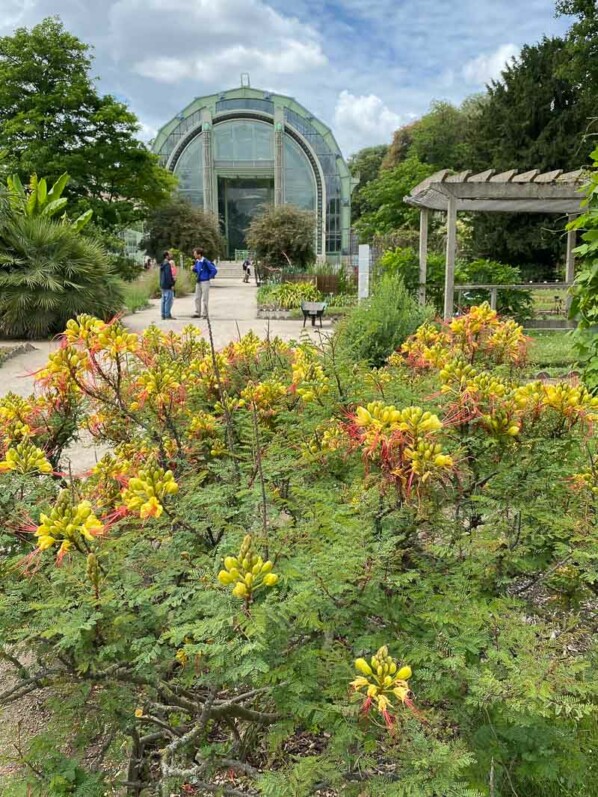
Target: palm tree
49, 273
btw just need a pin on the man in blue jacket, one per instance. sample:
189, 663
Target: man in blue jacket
205, 271
166, 286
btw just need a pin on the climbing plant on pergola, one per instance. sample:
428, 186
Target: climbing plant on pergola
526, 192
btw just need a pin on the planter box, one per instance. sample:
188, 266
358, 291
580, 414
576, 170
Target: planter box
274, 315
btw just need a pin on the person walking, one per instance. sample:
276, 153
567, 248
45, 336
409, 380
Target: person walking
167, 287
246, 269
205, 271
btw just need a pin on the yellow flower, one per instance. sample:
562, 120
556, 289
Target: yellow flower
147, 492
382, 681
247, 571
25, 458
68, 523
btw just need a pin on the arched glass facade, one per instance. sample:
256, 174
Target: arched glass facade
237, 151
299, 179
189, 170
243, 140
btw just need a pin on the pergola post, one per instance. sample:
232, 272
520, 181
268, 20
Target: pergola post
451, 250
570, 259
423, 254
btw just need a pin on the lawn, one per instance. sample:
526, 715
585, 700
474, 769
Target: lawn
551, 350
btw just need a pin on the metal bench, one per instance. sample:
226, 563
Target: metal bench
313, 310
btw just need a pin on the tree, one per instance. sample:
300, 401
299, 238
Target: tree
582, 44
384, 208
441, 138
365, 165
280, 236
400, 145
52, 120
180, 225
535, 117
49, 273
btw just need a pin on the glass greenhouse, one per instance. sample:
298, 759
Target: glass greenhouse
236, 151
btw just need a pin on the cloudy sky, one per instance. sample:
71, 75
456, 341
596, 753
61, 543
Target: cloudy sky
363, 66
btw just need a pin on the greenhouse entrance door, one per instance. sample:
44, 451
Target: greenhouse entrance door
239, 199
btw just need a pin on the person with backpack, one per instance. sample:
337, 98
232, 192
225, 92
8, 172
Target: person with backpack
205, 271
167, 287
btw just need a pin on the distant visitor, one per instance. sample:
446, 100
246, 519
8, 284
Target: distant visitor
205, 271
167, 287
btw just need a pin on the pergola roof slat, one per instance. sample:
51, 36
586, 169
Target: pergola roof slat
526, 192
481, 177
504, 177
548, 177
526, 177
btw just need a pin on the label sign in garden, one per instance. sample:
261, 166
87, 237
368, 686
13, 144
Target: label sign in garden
363, 285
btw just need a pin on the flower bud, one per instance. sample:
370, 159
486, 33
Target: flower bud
270, 579
363, 666
240, 591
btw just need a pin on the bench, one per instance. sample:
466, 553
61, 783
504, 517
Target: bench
313, 310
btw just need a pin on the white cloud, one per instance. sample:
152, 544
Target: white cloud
293, 57
211, 41
363, 120
488, 66
14, 12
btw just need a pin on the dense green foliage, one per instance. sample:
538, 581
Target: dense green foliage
405, 261
442, 138
283, 236
52, 120
178, 224
477, 569
364, 165
383, 208
584, 304
50, 272
287, 295
380, 324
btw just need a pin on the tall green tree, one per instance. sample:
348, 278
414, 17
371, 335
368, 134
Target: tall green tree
582, 43
365, 165
53, 120
536, 117
441, 138
384, 208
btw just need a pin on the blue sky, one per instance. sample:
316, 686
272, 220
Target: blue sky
363, 66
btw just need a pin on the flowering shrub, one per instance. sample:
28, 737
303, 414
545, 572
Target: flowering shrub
435, 505
479, 335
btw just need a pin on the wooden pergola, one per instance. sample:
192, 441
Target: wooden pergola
510, 191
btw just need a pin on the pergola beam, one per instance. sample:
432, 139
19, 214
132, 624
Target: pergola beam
423, 254
451, 252
570, 260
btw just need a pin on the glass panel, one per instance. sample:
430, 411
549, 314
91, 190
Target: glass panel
243, 140
238, 202
189, 170
299, 181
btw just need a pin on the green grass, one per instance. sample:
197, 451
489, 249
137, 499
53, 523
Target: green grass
551, 350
